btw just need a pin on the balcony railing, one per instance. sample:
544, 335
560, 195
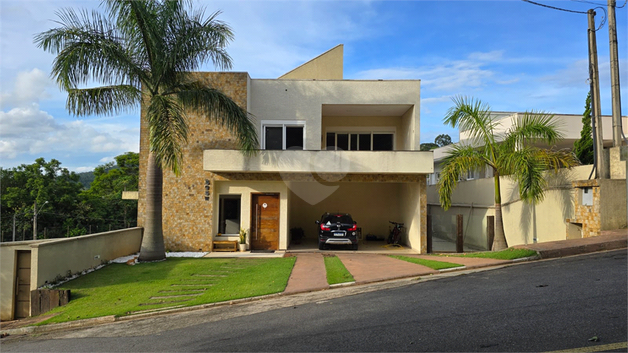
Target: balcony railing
298, 161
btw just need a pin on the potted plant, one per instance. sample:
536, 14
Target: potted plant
242, 239
297, 234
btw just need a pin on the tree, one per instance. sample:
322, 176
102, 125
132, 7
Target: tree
583, 148
442, 140
141, 52
104, 196
511, 155
428, 146
39, 182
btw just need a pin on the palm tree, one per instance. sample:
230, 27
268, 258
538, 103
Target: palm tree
141, 53
508, 154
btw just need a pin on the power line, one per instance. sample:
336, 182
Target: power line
602, 22
589, 2
555, 8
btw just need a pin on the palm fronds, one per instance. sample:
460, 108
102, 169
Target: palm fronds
458, 162
146, 47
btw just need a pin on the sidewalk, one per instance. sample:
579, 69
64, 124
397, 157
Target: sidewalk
309, 273
608, 240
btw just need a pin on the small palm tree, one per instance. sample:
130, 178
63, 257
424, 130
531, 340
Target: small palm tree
141, 53
509, 154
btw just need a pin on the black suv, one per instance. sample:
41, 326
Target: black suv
337, 229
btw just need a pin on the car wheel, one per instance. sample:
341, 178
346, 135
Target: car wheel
354, 247
321, 246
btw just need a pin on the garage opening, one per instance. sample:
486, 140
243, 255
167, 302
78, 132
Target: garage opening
371, 204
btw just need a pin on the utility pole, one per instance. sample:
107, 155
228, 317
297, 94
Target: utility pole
601, 170
35, 212
615, 90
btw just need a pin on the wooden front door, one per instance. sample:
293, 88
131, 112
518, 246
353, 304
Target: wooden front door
23, 285
264, 221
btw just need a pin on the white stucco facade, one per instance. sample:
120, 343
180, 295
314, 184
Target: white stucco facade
373, 168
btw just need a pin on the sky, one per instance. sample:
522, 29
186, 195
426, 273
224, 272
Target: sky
513, 55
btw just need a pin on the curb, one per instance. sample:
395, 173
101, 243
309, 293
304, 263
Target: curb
85, 323
583, 249
112, 318
529, 258
60, 326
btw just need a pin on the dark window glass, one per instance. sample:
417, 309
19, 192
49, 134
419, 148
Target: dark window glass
274, 138
365, 142
343, 142
382, 142
354, 142
340, 218
229, 214
294, 137
331, 141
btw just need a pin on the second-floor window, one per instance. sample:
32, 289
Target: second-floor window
277, 135
360, 141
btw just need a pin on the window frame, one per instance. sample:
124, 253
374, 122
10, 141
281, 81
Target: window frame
372, 130
283, 124
220, 215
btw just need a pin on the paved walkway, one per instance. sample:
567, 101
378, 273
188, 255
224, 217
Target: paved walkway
308, 274
367, 268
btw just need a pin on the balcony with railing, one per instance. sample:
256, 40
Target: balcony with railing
302, 161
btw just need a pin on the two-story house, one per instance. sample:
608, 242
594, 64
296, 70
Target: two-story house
569, 126
326, 145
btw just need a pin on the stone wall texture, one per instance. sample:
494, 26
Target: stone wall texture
186, 212
588, 215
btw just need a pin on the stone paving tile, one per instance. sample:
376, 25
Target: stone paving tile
308, 274
372, 267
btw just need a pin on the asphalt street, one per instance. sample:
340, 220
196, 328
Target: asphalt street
538, 306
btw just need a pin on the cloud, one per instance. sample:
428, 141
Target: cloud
272, 38
83, 169
435, 100
495, 55
31, 130
107, 159
29, 87
577, 73
448, 75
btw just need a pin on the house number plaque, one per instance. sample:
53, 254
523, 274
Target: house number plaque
264, 205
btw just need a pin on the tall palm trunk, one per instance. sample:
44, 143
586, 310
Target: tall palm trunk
499, 242
152, 248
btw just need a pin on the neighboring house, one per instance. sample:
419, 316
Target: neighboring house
572, 207
327, 145
569, 124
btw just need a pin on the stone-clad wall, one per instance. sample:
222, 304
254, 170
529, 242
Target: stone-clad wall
588, 216
186, 213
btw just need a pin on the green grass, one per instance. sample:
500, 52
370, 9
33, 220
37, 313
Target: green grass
336, 271
435, 265
119, 289
507, 254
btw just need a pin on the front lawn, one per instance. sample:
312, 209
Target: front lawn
336, 271
434, 265
120, 289
506, 254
